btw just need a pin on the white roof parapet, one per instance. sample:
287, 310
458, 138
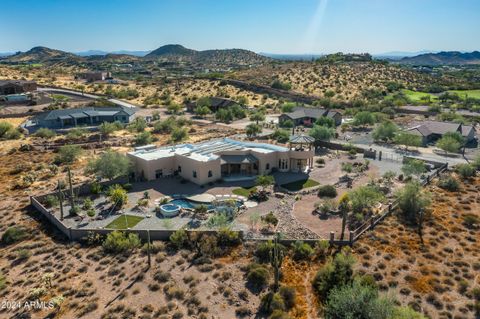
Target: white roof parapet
205, 151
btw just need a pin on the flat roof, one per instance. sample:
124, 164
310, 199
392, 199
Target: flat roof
205, 151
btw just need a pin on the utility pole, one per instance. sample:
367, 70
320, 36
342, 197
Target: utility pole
60, 199
72, 203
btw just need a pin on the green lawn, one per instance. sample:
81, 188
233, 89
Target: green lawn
416, 96
299, 185
243, 191
467, 93
124, 222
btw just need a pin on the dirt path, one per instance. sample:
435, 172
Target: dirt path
309, 296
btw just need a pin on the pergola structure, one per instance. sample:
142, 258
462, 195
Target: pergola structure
301, 143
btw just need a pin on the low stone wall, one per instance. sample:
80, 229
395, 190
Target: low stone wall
51, 218
77, 234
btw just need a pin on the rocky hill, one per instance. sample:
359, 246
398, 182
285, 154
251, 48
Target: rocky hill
42, 55
176, 52
444, 58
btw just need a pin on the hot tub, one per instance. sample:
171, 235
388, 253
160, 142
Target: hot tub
170, 210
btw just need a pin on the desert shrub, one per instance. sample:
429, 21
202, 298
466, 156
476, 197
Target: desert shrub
406, 313
120, 242
228, 237
257, 275
45, 133
13, 234
87, 204
364, 197
357, 301
91, 212
179, 238
320, 161
336, 272
143, 138
110, 165
173, 292
76, 133
470, 220
23, 254
117, 195
68, 154
321, 248
279, 314
476, 293
264, 249
95, 188
3, 282
327, 191
412, 201
465, 170
301, 250
289, 296
449, 183
243, 311
8, 131
51, 201
179, 134
271, 302
162, 276
270, 218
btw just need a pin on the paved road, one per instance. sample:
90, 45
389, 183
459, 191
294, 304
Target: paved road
88, 95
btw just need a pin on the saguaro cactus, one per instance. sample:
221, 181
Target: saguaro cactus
276, 259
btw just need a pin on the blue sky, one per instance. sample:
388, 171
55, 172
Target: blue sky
276, 26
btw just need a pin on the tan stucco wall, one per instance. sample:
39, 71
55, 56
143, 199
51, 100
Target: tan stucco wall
202, 168
188, 165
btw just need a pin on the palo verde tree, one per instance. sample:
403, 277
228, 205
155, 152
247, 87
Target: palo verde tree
253, 130
407, 139
110, 165
385, 131
413, 201
257, 117
450, 142
414, 167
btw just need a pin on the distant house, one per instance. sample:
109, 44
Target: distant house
216, 103
430, 131
307, 116
94, 76
9, 87
84, 116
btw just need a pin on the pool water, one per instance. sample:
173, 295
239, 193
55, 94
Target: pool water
187, 204
169, 207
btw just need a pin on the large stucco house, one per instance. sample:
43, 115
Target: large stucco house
220, 158
430, 131
307, 116
89, 116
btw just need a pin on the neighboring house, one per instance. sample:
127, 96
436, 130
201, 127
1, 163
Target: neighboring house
216, 103
84, 116
430, 131
216, 159
9, 87
307, 116
94, 76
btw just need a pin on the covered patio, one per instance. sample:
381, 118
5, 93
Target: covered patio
239, 165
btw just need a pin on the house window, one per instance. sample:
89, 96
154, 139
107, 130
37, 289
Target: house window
179, 169
158, 173
210, 174
194, 173
267, 166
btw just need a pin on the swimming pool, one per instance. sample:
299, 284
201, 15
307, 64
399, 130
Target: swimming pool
188, 204
170, 210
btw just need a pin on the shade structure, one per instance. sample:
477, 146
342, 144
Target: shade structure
301, 139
